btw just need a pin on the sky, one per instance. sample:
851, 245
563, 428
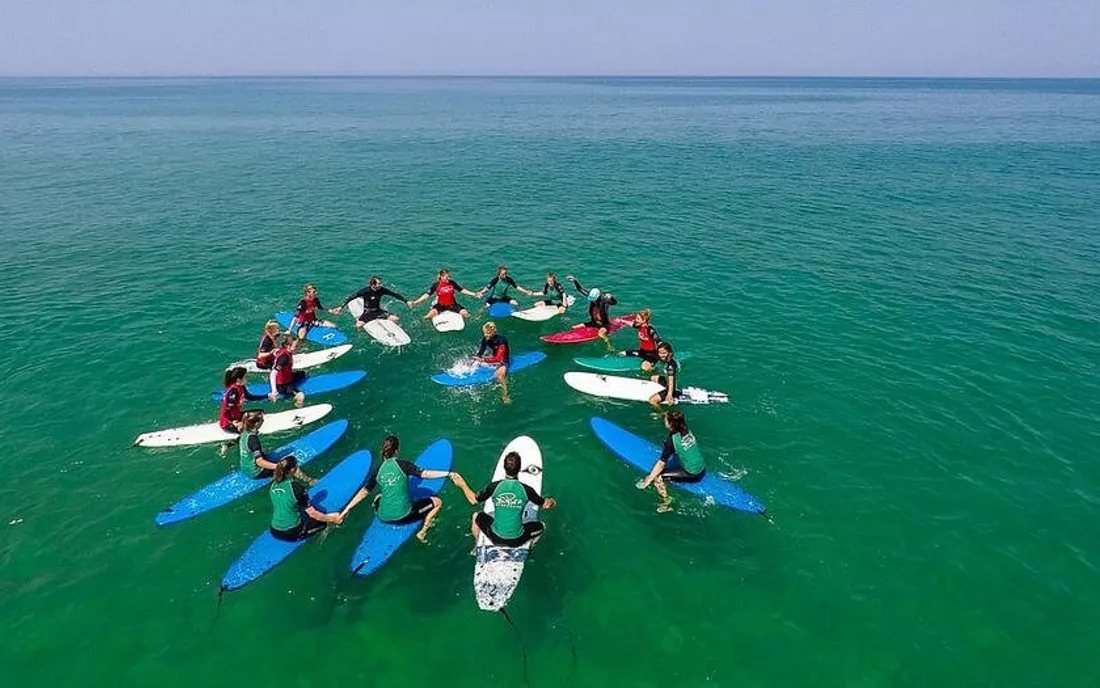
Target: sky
1029, 38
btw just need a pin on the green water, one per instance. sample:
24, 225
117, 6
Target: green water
896, 281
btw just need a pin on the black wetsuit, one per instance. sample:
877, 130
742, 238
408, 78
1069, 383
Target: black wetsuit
598, 315
372, 302
497, 348
556, 287
503, 297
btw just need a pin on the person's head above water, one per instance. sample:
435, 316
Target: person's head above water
444, 273
644, 315
489, 329
375, 282
502, 270
675, 421
664, 351
285, 468
390, 446
511, 464
593, 294
309, 290
235, 375
551, 278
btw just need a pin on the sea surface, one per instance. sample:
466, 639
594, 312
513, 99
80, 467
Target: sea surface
896, 281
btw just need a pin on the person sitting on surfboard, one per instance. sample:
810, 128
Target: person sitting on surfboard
284, 379
670, 393
648, 339
306, 315
505, 526
265, 352
681, 447
552, 285
372, 302
599, 315
498, 288
292, 516
394, 502
494, 351
444, 289
236, 393
254, 463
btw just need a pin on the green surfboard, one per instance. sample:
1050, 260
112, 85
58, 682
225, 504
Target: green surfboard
618, 364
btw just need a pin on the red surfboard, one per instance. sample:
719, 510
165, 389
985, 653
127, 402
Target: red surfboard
581, 333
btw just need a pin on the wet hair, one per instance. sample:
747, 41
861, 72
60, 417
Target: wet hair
375, 281
233, 375
489, 328
252, 421
272, 325
285, 468
390, 445
644, 315
676, 421
665, 346
511, 464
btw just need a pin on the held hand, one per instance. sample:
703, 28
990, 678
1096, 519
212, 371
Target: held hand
274, 396
337, 310
550, 503
408, 304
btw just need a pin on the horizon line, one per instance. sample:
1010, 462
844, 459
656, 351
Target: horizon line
322, 75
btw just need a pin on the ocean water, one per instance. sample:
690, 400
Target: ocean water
897, 282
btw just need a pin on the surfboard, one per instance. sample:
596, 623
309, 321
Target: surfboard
614, 364
331, 493
382, 539
326, 336
634, 389
582, 333
498, 569
206, 433
501, 309
484, 374
642, 454
314, 384
383, 330
449, 321
236, 484
303, 361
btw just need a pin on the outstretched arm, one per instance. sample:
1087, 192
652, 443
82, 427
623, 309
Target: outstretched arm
460, 483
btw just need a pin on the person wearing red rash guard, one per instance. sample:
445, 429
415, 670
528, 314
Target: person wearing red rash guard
648, 339
445, 289
265, 351
284, 379
231, 417
306, 315
494, 351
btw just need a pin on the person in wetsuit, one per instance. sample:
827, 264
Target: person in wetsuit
265, 350
292, 516
554, 292
372, 302
498, 287
236, 393
599, 315
505, 526
254, 463
394, 503
284, 379
494, 351
648, 339
305, 316
680, 460
669, 380
444, 289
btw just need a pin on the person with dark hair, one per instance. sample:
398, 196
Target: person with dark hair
254, 462
284, 379
444, 289
680, 460
305, 316
599, 313
236, 393
292, 516
552, 285
670, 393
494, 351
648, 340
505, 526
394, 503
498, 288
372, 302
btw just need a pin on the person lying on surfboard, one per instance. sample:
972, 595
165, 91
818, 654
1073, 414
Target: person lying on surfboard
552, 285
670, 393
680, 460
265, 352
254, 462
648, 339
394, 503
292, 516
498, 287
505, 526
372, 302
284, 379
305, 317
444, 289
494, 351
599, 315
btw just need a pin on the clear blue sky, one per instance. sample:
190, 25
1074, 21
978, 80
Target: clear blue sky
720, 37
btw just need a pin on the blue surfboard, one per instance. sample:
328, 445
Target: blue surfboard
326, 336
486, 374
383, 539
236, 484
331, 493
501, 309
314, 384
643, 454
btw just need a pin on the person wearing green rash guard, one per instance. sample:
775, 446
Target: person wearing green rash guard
680, 461
394, 504
505, 526
254, 463
292, 516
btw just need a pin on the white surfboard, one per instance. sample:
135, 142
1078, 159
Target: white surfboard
541, 313
212, 432
310, 359
387, 332
498, 569
633, 389
449, 321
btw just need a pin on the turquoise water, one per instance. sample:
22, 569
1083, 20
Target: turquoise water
896, 281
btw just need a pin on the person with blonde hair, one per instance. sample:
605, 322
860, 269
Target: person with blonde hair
265, 352
494, 351
444, 290
648, 340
